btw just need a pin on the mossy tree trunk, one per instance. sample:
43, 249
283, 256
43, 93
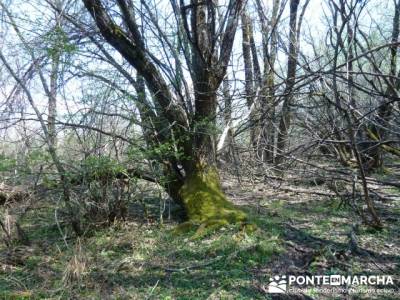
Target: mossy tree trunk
201, 194
204, 200
194, 181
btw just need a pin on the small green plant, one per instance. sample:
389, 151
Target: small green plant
57, 41
7, 164
101, 168
105, 196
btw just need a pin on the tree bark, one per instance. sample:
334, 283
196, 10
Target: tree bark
267, 95
377, 130
284, 124
51, 118
194, 181
249, 76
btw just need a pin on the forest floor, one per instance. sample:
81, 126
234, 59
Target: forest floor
298, 233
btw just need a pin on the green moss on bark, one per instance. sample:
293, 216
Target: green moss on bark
205, 203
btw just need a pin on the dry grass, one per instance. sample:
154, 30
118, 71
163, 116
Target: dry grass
77, 266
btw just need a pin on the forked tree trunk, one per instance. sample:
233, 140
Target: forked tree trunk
194, 181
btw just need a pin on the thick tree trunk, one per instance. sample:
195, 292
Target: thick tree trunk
204, 200
194, 180
201, 194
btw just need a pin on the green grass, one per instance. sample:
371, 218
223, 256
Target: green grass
135, 261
